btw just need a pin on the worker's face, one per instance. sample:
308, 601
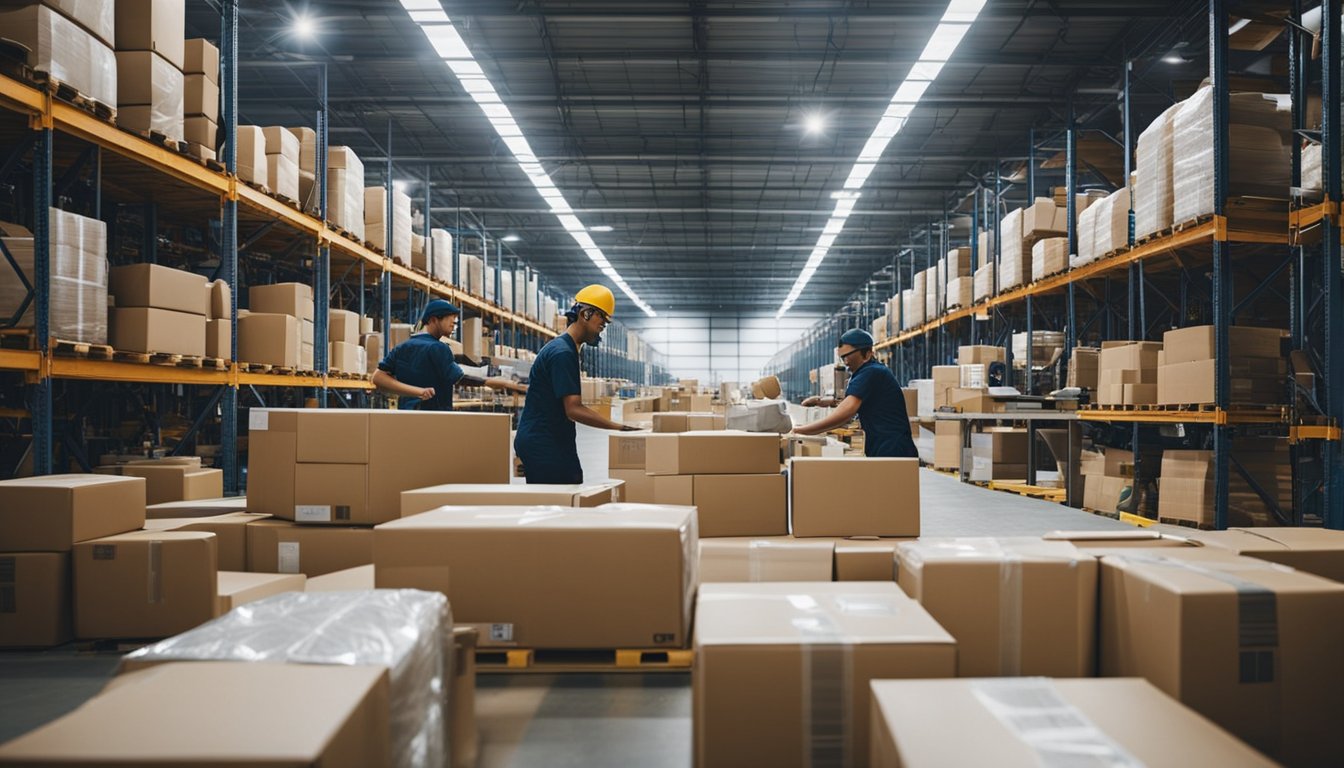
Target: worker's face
442, 326
593, 322
853, 357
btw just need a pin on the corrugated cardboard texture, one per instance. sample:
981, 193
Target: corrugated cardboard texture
54, 512
144, 584
230, 531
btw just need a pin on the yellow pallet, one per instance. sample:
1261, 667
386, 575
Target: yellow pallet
595, 660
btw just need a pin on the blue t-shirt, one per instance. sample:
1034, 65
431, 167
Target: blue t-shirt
886, 425
424, 361
545, 433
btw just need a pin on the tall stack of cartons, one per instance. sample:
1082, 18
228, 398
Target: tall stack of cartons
1049, 257
933, 289
1020, 230
70, 43
345, 191
733, 478
894, 313
375, 226
471, 274
1153, 160
327, 476
158, 310
252, 156
200, 98
1259, 147
1186, 487
1185, 374
218, 325
282, 161
506, 294
984, 283
533, 292
1127, 373
346, 352
308, 170
441, 254
1103, 228
78, 287
1106, 475
1083, 368
150, 55
960, 283
278, 328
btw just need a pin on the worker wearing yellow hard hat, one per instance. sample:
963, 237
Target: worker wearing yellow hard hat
546, 435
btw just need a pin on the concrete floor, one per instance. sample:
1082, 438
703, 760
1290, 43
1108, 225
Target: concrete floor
561, 720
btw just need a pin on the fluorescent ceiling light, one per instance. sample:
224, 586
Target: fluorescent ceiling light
600, 228
942, 44
815, 122
511, 238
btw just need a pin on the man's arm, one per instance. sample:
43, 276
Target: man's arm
577, 412
837, 418
506, 385
819, 402
388, 383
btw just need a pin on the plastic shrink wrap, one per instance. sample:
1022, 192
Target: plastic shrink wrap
78, 252
62, 50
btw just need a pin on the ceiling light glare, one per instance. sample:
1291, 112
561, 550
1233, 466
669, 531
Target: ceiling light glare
511, 238
814, 123
600, 228
304, 27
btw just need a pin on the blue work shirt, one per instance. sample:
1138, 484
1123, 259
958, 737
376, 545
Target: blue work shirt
424, 361
546, 437
886, 425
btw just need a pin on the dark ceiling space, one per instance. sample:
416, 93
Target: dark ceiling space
679, 125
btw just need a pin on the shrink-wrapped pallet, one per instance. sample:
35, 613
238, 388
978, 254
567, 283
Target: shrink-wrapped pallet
78, 257
62, 50
1152, 193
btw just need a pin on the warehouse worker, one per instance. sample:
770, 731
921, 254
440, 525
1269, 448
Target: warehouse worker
422, 369
873, 395
546, 436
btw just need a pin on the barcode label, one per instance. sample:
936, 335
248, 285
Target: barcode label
287, 555
312, 513
258, 420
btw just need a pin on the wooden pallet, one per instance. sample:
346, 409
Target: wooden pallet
1186, 523
154, 137
81, 349
1191, 224
68, 94
599, 660
1030, 491
1158, 235
17, 338
167, 359
1100, 513
255, 367
262, 188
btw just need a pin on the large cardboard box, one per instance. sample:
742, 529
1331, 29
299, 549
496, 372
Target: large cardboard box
1248, 644
780, 558
342, 325
617, 576
1257, 381
1318, 551
979, 353
153, 25
61, 48
945, 378
282, 174
998, 453
201, 58
678, 490
144, 329
638, 486
1017, 606
230, 531
718, 452
251, 153
151, 285
881, 496
418, 500
196, 508
866, 558
35, 611
1184, 345
741, 505
238, 588
218, 339
798, 657
347, 357
268, 338
279, 546
52, 513
947, 445
144, 584
354, 579
925, 723
687, 422
282, 298
166, 483
170, 714
147, 80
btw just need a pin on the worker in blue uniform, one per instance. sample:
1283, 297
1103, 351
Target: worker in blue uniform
422, 371
545, 443
873, 395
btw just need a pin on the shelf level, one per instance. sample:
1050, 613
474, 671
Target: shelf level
88, 369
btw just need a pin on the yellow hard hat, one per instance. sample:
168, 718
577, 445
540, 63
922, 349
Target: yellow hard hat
599, 296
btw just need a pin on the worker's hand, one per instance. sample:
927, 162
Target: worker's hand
630, 428
809, 402
427, 393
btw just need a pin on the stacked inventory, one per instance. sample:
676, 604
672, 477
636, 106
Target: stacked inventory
278, 326
200, 98
1020, 230
69, 43
960, 283
732, 478
375, 222
150, 56
1127, 373
345, 191
1185, 373
308, 201
1259, 148
251, 157
170, 480
77, 293
440, 260
1103, 228
347, 352
282, 161
158, 310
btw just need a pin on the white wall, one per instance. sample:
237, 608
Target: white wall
719, 348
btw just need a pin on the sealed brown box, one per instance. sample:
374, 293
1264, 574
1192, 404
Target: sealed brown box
240, 588
146, 78
780, 558
617, 576
1138, 355
866, 558
687, 422
332, 493
143, 329
947, 444
881, 496
342, 324
798, 657
418, 500
1248, 644
282, 298
971, 400
36, 605
169, 714
166, 483
1017, 606
346, 357
674, 489
267, 338
979, 353
348, 580
218, 339
51, 513
1193, 383
712, 453
639, 486
1184, 345
251, 155
196, 508
201, 58
1318, 551
150, 285
945, 378
144, 584
280, 546
626, 451
741, 505
153, 25
221, 300
230, 531
924, 723
282, 175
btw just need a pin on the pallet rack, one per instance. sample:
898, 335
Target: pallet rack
61, 135
1302, 252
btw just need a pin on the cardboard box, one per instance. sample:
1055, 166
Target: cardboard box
678, 490
1017, 606
279, 546
36, 609
945, 377
1318, 551
170, 715
638, 486
346, 357
921, 723
342, 325
355, 579
221, 301
567, 569
152, 25
58, 46
150, 285
866, 558
741, 505
881, 497
237, 588
282, 174
52, 513
766, 388
947, 445
1193, 383
230, 531
781, 558
418, 500
196, 508
1248, 644
1184, 345
251, 152
332, 493
146, 79
282, 298
143, 329
144, 584
687, 422
1138, 356
772, 649
166, 483
200, 57
218, 339
712, 453
268, 338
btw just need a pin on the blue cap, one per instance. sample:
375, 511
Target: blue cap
438, 308
857, 338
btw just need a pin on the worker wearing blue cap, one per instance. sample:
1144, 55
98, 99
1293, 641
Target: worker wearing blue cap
422, 371
873, 395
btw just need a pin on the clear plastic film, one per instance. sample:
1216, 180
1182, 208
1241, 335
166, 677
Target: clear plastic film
408, 631
1111, 225
441, 254
1153, 161
533, 290
64, 51
1011, 257
78, 252
1259, 152
164, 112
1059, 733
506, 295
759, 416
984, 282
1313, 174
1087, 235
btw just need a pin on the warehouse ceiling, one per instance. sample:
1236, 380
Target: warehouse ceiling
680, 125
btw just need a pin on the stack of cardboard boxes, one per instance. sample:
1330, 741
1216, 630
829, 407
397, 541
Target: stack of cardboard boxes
70, 43
1106, 475
251, 158
960, 283
1049, 256
150, 54
998, 453
1127, 373
375, 222
282, 161
1153, 187
1083, 368
158, 310
170, 480
440, 260
200, 98
1186, 488
345, 191
1103, 228
1185, 373
278, 326
1020, 230
308, 201
732, 478
78, 287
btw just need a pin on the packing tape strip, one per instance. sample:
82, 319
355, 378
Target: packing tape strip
827, 669
1010, 614
1060, 735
